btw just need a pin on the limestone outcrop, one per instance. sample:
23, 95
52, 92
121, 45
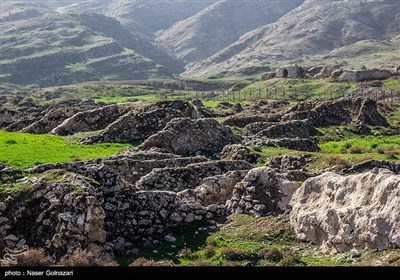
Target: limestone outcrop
340, 213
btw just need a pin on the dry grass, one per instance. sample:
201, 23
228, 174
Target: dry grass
339, 163
34, 257
146, 262
82, 258
271, 254
234, 254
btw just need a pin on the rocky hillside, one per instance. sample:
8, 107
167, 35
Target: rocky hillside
220, 25
43, 47
316, 30
63, 42
193, 170
146, 17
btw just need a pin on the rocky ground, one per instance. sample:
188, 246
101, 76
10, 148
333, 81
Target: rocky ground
199, 188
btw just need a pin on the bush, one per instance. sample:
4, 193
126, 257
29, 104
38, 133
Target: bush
374, 146
356, 150
271, 254
339, 162
146, 262
209, 251
343, 151
347, 145
33, 257
380, 151
390, 154
291, 258
82, 258
234, 254
185, 252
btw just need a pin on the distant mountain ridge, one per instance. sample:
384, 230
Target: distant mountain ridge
48, 42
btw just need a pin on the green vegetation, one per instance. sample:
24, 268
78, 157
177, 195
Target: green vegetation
242, 241
22, 150
342, 153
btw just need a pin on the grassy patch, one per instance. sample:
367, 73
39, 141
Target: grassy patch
22, 150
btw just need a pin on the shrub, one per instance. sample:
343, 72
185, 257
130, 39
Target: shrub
291, 258
146, 262
380, 150
347, 145
390, 154
339, 162
33, 257
209, 251
233, 253
82, 258
343, 151
271, 254
185, 252
356, 150
374, 146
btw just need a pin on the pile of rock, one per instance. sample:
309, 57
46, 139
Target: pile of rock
287, 162
290, 129
238, 152
262, 192
181, 178
135, 126
91, 120
187, 137
341, 111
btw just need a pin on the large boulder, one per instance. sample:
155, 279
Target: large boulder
91, 120
262, 192
335, 112
340, 213
135, 126
187, 137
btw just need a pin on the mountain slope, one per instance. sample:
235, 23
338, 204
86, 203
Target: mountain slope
42, 47
220, 25
317, 31
142, 16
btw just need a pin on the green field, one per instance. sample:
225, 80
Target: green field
22, 150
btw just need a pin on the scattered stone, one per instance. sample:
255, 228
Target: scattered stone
170, 238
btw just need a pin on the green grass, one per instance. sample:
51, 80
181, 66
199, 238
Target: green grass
372, 147
369, 143
393, 83
22, 150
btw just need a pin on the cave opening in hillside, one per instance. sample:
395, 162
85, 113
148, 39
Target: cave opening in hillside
285, 73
